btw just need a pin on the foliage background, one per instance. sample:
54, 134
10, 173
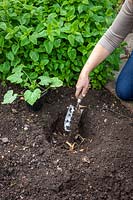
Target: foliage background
42, 39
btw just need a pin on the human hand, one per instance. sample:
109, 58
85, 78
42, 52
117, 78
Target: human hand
82, 85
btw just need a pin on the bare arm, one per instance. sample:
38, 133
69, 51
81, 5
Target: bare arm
98, 54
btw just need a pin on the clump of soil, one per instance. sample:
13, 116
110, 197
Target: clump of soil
40, 161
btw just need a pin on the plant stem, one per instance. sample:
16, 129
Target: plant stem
27, 76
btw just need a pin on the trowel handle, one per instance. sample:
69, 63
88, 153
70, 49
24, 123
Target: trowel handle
80, 98
79, 101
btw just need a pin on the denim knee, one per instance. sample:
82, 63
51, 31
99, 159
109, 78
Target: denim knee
124, 83
123, 90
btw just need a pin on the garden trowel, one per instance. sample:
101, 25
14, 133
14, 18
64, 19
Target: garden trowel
73, 116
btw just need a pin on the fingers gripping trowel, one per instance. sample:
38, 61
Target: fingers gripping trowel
73, 116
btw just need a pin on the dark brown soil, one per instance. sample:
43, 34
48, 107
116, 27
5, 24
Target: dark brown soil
40, 161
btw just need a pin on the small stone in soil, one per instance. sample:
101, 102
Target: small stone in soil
105, 120
5, 140
14, 110
85, 159
25, 127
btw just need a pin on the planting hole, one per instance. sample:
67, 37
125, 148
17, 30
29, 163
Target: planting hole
58, 136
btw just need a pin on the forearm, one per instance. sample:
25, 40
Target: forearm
98, 55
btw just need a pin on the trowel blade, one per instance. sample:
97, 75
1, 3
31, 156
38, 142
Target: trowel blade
68, 118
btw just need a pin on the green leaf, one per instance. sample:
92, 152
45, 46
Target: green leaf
42, 34
99, 77
72, 54
44, 61
71, 39
70, 14
15, 62
83, 50
16, 76
75, 26
55, 82
3, 26
24, 41
96, 8
49, 46
51, 17
51, 37
33, 75
9, 97
31, 97
81, 8
5, 67
76, 69
24, 29
10, 55
9, 36
57, 43
1, 41
45, 80
40, 27
15, 48
34, 56
85, 2
63, 12
24, 19
79, 38
33, 38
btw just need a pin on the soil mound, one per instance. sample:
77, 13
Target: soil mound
40, 161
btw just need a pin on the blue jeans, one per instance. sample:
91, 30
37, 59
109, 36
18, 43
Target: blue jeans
124, 83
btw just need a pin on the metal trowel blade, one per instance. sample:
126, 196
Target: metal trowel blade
68, 118
69, 115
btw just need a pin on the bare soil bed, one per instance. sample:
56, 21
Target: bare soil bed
40, 161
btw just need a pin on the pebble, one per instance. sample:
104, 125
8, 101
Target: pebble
112, 105
21, 98
105, 120
25, 127
5, 140
85, 159
14, 110
59, 168
41, 151
56, 161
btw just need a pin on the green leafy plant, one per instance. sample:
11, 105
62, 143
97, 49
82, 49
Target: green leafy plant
35, 90
44, 44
